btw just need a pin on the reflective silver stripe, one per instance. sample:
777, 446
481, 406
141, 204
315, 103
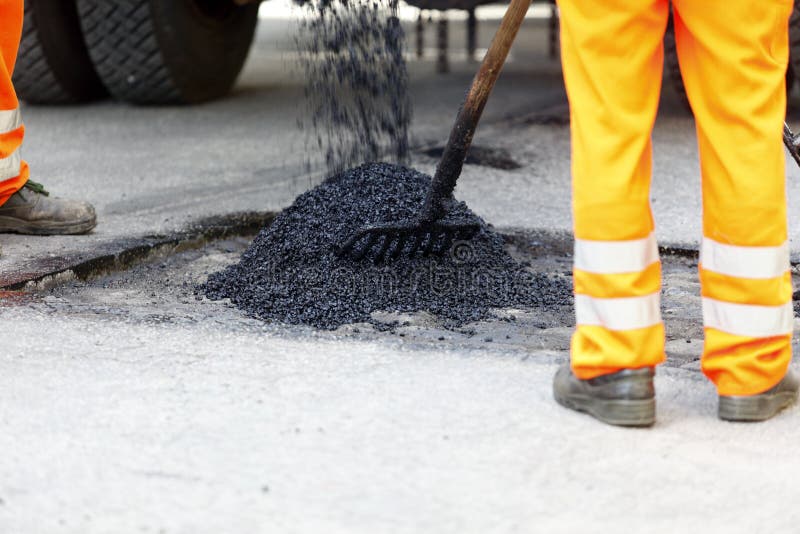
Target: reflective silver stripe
10, 120
748, 320
626, 313
9, 167
616, 257
744, 262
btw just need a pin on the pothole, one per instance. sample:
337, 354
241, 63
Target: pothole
496, 158
292, 273
547, 119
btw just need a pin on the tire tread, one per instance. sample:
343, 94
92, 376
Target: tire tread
123, 43
34, 78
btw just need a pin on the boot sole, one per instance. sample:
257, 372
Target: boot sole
624, 412
10, 225
756, 408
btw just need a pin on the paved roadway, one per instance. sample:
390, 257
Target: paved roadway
154, 172
128, 406
158, 171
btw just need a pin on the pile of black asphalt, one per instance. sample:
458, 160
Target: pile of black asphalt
291, 273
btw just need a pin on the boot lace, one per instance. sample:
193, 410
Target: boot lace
37, 188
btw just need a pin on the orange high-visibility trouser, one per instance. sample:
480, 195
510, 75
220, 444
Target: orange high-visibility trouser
13, 170
733, 56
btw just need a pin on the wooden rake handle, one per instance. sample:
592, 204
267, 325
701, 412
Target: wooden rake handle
449, 168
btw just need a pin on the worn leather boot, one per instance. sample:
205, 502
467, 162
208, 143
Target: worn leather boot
760, 407
624, 398
31, 211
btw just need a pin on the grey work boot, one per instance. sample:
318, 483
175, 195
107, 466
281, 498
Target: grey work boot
31, 211
624, 398
760, 407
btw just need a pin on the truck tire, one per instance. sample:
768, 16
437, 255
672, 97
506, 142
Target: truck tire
53, 64
168, 51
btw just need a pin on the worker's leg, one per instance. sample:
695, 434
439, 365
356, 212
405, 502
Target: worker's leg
13, 171
733, 55
612, 55
26, 207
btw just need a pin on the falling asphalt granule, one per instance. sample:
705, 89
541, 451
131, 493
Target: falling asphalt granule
291, 273
357, 102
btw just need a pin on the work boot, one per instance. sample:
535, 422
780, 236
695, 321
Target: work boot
762, 406
31, 211
624, 398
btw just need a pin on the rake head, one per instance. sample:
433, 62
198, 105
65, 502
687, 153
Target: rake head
388, 241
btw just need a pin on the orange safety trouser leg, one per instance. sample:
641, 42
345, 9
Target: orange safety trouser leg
13, 170
733, 55
612, 59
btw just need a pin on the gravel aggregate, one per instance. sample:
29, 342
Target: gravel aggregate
291, 273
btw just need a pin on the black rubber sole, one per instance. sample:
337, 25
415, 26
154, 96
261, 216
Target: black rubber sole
10, 225
633, 413
756, 408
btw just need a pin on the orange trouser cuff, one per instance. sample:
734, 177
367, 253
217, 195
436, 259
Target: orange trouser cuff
631, 349
12, 185
741, 365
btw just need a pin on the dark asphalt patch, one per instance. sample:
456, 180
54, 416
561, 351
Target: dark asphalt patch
291, 274
496, 158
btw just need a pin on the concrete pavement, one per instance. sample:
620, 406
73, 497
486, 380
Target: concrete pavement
127, 405
183, 428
